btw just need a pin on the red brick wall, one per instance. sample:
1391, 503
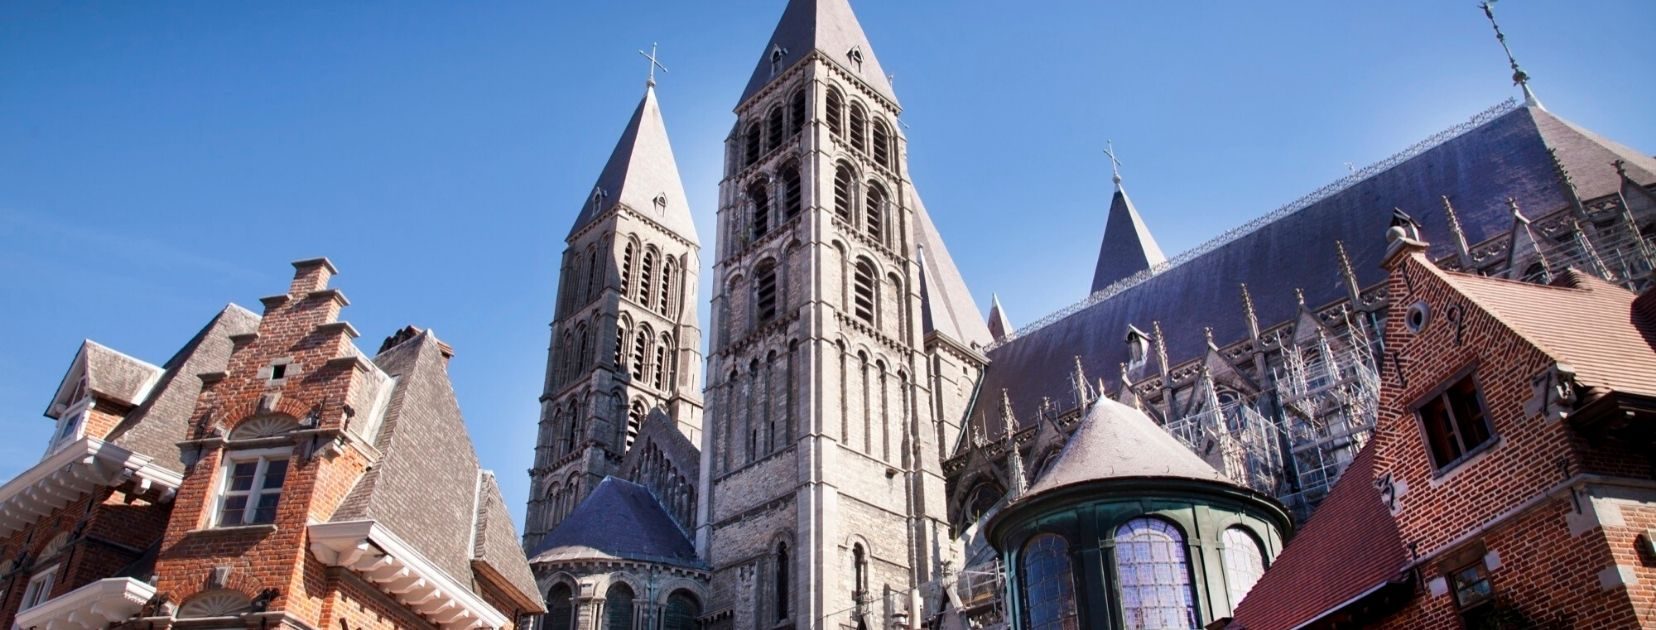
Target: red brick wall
113, 534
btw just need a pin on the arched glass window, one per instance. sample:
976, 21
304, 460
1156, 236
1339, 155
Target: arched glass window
844, 180
1154, 573
1244, 563
882, 144
859, 574
863, 300
755, 138
626, 268
619, 604
796, 112
764, 292
776, 128
560, 613
783, 568
646, 275
760, 196
793, 201
1048, 584
682, 612
835, 106
875, 211
859, 128
641, 349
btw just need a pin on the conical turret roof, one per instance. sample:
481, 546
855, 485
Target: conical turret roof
826, 25
999, 325
1128, 247
1116, 441
642, 174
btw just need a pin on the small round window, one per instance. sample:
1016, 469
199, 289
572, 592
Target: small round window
1417, 316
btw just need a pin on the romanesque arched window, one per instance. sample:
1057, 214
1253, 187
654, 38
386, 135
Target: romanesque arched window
571, 428
620, 358
834, 114
760, 196
844, 196
859, 574
626, 267
646, 274
682, 612
882, 143
566, 363
1244, 562
796, 112
635, 422
776, 128
1048, 584
793, 199
755, 140
593, 284
875, 211
780, 580
582, 347
1154, 574
864, 301
658, 372
664, 296
764, 292
618, 601
859, 128
641, 353
560, 609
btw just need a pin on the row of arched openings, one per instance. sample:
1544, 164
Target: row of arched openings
655, 284
621, 610
773, 201
875, 210
644, 355
851, 122
874, 402
1152, 573
561, 499
762, 399
781, 123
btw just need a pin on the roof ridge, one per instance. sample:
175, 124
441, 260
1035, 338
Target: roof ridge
1505, 107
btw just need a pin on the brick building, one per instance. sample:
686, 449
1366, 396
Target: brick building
269, 474
1510, 482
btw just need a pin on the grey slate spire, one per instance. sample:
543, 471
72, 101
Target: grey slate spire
999, 326
642, 175
1128, 247
823, 25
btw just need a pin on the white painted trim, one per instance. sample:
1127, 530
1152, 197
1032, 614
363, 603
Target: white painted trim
95, 605
74, 471
403, 572
222, 479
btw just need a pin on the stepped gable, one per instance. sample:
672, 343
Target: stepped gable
1505, 154
425, 487
589, 532
163, 420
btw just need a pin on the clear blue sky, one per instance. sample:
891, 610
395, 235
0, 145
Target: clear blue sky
158, 160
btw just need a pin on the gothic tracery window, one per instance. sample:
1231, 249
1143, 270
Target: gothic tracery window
760, 196
1153, 571
780, 580
664, 296
641, 350
646, 275
755, 138
1048, 584
560, 609
796, 112
626, 268
682, 612
776, 128
764, 293
635, 422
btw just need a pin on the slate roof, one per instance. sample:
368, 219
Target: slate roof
1580, 320
999, 324
1127, 248
640, 168
1350, 549
825, 25
110, 374
163, 420
946, 304
591, 531
425, 487
495, 544
1115, 441
1478, 168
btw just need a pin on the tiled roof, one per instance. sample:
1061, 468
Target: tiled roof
1478, 169
1580, 320
1127, 248
496, 540
1350, 548
1115, 441
826, 25
591, 532
640, 169
116, 376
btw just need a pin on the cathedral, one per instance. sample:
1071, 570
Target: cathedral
857, 450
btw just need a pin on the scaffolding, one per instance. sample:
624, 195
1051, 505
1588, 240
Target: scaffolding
1237, 441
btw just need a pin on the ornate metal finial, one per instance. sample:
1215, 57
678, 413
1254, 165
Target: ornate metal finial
1207, 332
1345, 260
1519, 77
1299, 295
1517, 214
1115, 164
655, 62
1454, 221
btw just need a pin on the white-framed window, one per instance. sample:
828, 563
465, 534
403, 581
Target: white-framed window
71, 425
40, 588
250, 486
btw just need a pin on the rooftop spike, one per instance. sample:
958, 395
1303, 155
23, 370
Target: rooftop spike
1462, 251
1127, 247
655, 62
1524, 245
1115, 163
1248, 312
642, 175
1000, 327
1519, 77
1354, 290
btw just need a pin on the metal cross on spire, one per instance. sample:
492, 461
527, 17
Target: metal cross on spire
655, 62
1115, 164
1519, 77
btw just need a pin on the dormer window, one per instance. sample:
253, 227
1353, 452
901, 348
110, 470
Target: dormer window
1138, 348
856, 57
71, 425
661, 203
777, 54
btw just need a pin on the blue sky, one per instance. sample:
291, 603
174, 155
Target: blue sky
160, 160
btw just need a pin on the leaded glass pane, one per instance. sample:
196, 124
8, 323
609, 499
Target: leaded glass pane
1049, 584
1154, 575
1244, 563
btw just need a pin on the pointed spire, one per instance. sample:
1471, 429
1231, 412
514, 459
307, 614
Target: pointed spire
1349, 275
1248, 312
1632, 222
1161, 348
1463, 253
1014, 459
1519, 77
1000, 327
1078, 380
1127, 248
825, 26
642, 175
1524, 244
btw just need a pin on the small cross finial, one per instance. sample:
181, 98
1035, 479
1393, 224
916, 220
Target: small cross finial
1519, 77
1115, 164
655, 62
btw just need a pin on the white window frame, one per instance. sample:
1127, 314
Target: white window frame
40, 586
74, 417
223, 493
